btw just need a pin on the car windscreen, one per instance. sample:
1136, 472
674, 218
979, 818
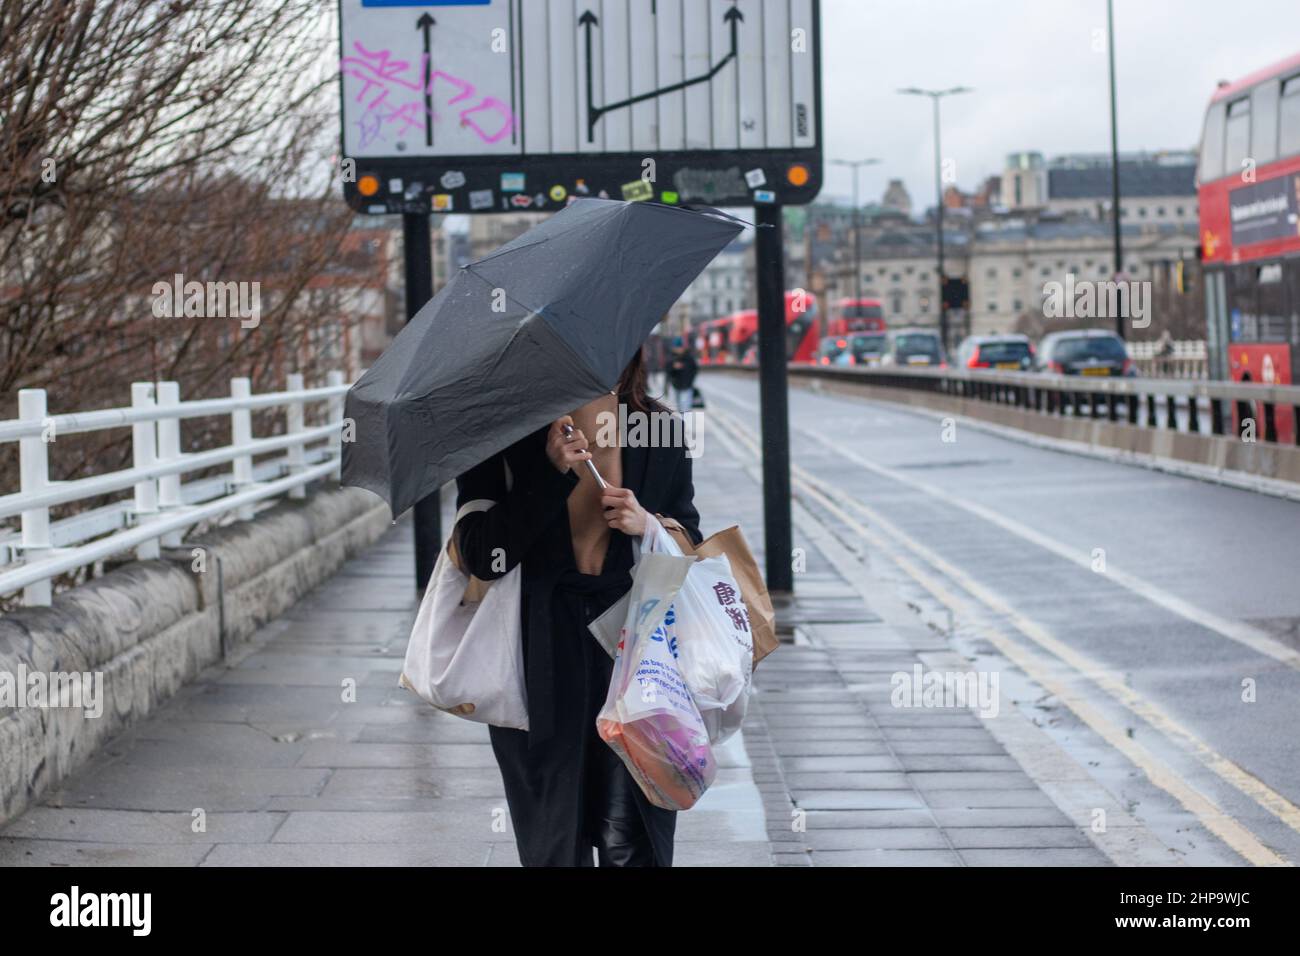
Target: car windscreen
1103, 348
833, 347
869, 343
918, 344
995, 352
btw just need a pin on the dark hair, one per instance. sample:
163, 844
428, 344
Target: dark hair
632, 387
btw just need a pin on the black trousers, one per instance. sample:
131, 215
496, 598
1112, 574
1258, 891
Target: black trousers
572, 793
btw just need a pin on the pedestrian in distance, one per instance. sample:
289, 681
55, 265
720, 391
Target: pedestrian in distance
567, 790
681, 374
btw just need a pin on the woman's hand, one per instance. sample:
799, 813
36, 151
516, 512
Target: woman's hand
623, 511
566, 452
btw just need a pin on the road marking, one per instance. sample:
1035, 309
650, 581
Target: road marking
1243, 634
1125, 840
1039, 668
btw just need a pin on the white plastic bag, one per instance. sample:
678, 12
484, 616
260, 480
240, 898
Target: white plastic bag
649, 717
715, 643
467, 659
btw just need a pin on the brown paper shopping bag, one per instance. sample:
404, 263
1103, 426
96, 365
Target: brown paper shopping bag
753, 589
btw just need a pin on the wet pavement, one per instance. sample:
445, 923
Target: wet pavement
302, 749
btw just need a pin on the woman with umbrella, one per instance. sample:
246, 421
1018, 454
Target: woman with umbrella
497, 382
567, 790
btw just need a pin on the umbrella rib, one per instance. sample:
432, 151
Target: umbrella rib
492, 285
519, 326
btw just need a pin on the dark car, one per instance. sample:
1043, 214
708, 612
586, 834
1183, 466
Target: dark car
914, 347
1091, 352
868, 348
834, 350
1012, 353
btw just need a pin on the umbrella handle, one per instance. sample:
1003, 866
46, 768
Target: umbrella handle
591, 465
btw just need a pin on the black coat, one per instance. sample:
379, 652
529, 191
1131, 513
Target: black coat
566, 788
530, 523
682, 369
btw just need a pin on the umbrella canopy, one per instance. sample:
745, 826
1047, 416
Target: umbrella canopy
538, 328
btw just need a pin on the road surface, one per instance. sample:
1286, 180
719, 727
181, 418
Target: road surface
1155, 618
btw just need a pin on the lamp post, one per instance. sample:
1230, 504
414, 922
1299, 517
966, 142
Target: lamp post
856, 164
1114, 158
935, 97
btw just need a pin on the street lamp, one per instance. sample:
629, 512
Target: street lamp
935, 97
856, 165
1114, 159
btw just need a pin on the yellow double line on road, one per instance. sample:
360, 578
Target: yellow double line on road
1047, 672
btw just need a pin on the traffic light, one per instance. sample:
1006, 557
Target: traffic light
956, 293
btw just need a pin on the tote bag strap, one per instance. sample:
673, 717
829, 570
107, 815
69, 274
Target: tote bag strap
481, 504
476, 589
470, 507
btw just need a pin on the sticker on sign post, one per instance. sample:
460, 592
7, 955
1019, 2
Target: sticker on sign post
427, 83
638, 191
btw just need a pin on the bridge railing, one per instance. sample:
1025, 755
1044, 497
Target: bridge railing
162, 505
1182, 359
1194, 407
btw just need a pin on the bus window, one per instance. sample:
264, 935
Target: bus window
1237, 141
1212, 145
1289, 115
1263, 133
1241, 304
1292, 270
1270, 303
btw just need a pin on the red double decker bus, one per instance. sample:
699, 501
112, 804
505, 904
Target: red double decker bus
712, 342
1249, 197
734, 338
856, 315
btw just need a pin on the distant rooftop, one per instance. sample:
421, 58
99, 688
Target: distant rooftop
1163, 157
1136, 179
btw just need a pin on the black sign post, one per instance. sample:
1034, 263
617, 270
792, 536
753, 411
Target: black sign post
773, 397
435, 121
418, 255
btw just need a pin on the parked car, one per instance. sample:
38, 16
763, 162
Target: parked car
834, 350
868, 348
914, 347
1014, 353
1090, 352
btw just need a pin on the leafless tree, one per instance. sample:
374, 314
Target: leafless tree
141, 140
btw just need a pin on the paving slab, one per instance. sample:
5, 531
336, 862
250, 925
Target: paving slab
302, 751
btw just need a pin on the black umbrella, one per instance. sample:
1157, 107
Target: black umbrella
538, 328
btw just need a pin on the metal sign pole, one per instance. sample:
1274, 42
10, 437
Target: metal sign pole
418, 254
773, 397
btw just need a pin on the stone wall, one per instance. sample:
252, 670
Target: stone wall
149, 626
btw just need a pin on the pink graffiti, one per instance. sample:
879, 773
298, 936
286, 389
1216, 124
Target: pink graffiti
386, 90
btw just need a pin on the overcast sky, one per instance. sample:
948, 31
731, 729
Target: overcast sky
1038, 83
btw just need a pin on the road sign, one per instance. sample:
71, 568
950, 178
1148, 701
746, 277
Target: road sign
481, 106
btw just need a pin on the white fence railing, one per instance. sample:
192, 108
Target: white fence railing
1183, 359
163, 507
